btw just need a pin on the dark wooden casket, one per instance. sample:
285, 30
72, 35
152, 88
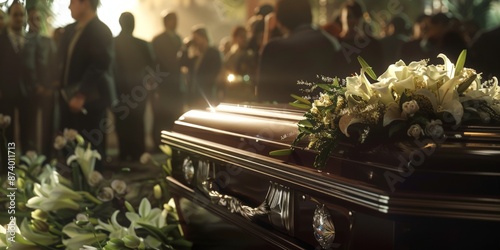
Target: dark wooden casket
407, 195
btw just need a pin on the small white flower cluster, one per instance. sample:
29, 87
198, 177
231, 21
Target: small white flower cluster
106, 193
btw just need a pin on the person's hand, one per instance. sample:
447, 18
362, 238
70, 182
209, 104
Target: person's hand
76, 103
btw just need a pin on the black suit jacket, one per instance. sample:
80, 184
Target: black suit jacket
205, 77
133, 57
90, 67
18, 76
166, 47
306, 53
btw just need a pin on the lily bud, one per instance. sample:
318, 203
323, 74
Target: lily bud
39, 214
40, 226
157, 191
131, 241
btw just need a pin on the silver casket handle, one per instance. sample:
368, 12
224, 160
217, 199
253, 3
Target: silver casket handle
233, 204
277, 205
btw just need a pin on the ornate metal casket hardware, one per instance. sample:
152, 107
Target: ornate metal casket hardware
324, 228
233, 204
277, 205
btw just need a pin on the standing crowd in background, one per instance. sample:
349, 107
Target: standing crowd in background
82, 74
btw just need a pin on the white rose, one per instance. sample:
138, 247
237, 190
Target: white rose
95, 177
82, 217
59, 142
119, 186
70, 134
415, 131
105, 194
410, 107
434, 129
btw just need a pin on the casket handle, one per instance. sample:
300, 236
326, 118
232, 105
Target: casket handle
233, 204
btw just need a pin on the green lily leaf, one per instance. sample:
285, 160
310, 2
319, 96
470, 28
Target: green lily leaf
300, 105
281, 152
300, 99
460, 62
305, 123
462, 87
181, 244
326, 87
154, 232
367, 68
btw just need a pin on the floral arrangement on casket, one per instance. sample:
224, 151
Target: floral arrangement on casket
66, 203
407, 101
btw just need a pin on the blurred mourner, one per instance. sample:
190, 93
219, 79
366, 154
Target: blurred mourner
306, 52
168, 100
43, 61
204, 63
19, 80
134, 61
87, 77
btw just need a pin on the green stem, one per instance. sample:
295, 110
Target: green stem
90, 197
93, 229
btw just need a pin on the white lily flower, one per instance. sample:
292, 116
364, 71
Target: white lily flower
359, 85
53, 196
398, 71
113, 227
383, 89
36, 236
492, 89
80, 236
153, 217
449, 67
86, 159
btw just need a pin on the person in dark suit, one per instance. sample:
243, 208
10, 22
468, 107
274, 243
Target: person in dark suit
87, 85
305, 52
43, 60
356, 40
168, 100
133, 57
204, 63
18, 81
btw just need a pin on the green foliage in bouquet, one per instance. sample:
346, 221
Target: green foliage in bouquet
406, 102
67, 204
